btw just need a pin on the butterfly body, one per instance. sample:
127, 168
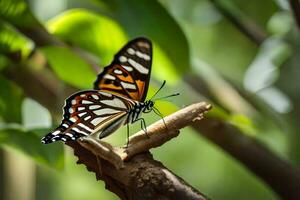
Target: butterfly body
133, 115
118, 97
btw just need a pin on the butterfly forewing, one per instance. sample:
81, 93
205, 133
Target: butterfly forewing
88, 113
128, 75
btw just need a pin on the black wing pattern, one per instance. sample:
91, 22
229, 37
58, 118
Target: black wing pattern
129, 73
90, 113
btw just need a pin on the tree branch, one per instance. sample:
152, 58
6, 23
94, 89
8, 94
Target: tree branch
40, 84
131, 172
281, 176
295, 7
246, 26
39, 35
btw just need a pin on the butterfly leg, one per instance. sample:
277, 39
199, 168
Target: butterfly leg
157, 112
143, 125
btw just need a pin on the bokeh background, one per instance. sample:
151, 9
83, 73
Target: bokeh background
241, 56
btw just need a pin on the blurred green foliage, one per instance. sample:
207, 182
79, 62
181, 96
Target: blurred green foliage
69, 67
200, 53
10, 101
97, 34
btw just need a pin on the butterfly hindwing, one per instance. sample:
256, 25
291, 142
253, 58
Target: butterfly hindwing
89, 113
129, 73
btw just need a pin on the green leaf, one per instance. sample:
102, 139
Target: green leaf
69, 67
17, 12
10, 101
97, 34
104, 37
29, 142
4, 61
149, 18
12, 42
281, 23
162, 66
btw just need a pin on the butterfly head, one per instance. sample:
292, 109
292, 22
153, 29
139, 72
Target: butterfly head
149, 105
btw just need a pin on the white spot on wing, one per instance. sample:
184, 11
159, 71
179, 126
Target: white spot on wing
142, 55
128, 68
138, 66
79, 131
105, 111
69, 134
95, 96
87, 118
115, 102
55, 132
85, 127
128, 85
122, 59
105, 94
71, 110
110, 77
131, 51
80, 108
73, 102
86, 102
65, 125
72, 119
94, 107
81, 114
116, 71
98, 120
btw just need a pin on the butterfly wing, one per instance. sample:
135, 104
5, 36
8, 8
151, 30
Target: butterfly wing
90, 113
129, 73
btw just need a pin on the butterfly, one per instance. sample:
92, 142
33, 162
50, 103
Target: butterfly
118, 97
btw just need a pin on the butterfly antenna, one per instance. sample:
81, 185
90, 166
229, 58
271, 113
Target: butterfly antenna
156, 111
165, 97
163, 84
